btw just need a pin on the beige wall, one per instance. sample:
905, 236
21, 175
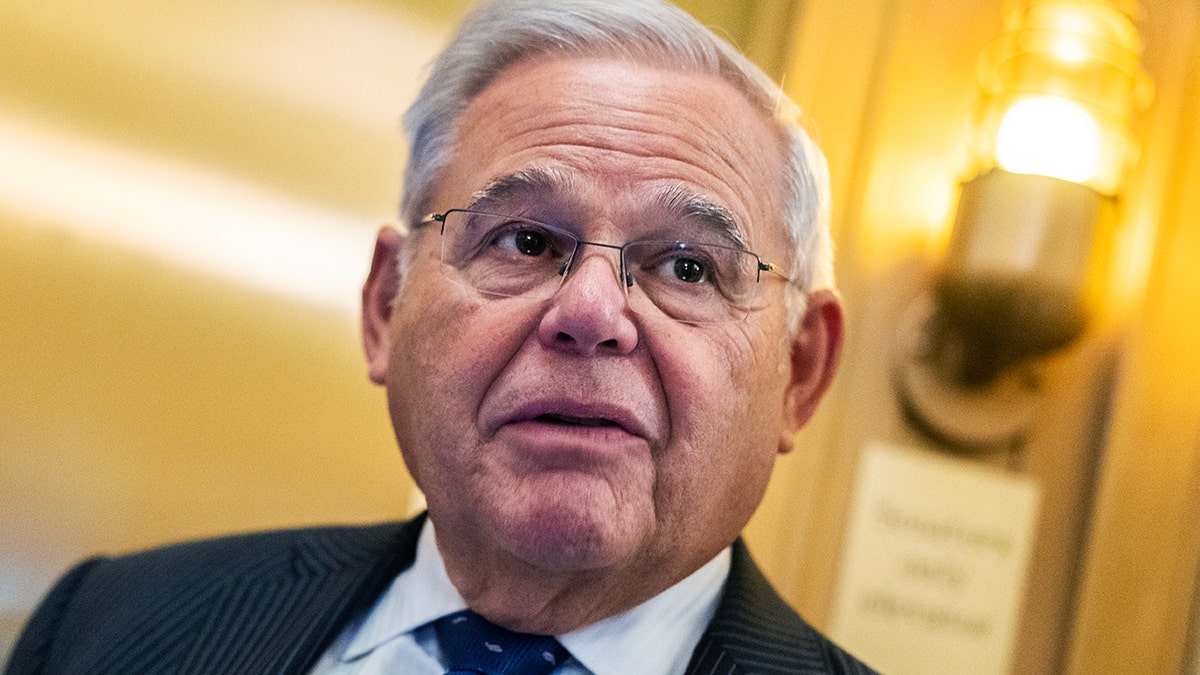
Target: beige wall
1115, 443
148, 393
148, 396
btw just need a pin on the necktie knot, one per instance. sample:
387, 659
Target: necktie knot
472, 644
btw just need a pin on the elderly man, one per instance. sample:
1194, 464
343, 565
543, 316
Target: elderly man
607, 315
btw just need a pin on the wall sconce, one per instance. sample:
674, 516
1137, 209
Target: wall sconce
1050, 146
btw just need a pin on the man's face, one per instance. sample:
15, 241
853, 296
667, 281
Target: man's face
572, 435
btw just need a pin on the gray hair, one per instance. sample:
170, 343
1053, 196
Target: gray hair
498, 34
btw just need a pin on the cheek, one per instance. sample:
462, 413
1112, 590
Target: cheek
429, 347
445, 356
718, 380
724, 391
445, 338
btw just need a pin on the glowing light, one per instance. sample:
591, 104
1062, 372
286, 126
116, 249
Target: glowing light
1049, 136
937, 198
1071, 49
189, 215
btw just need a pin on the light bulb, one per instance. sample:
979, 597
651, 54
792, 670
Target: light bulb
1049, 136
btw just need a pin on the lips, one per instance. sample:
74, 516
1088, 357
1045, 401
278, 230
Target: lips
572, 414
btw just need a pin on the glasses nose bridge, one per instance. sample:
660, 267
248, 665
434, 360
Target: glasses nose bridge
580, 255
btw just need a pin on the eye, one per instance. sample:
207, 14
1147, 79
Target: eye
690, 270
675, 263
529, 242
516, 239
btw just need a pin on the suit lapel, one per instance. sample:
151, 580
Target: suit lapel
754, 630
281, 619
331, 582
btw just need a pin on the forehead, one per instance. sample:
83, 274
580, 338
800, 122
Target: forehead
620, 137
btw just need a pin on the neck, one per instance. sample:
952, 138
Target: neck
529, 599
543, 599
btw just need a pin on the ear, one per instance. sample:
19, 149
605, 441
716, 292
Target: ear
815, 351
378, 296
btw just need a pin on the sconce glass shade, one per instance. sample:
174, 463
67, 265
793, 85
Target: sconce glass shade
1060, 90
1049, 136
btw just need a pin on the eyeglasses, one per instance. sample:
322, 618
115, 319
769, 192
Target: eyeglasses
687, 279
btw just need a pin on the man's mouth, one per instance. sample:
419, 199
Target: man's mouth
567, 415
568, 420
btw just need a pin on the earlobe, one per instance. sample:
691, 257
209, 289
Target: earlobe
378, 294
815, 351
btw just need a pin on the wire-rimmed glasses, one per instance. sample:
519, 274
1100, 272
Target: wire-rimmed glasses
688, 279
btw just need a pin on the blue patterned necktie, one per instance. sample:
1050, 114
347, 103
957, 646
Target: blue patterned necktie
472, 645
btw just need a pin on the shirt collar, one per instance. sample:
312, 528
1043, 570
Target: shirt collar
418, 595
657, 636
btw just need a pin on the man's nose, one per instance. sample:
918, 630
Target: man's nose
590, 313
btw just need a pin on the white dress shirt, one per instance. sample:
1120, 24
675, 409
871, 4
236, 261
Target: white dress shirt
655, 638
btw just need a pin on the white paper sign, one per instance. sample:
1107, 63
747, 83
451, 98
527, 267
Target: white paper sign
934, 565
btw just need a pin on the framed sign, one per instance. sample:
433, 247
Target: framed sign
933, 571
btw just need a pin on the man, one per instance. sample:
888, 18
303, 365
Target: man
607, 316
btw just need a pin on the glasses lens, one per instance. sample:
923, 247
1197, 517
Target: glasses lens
514, 257
505, 255
699, 283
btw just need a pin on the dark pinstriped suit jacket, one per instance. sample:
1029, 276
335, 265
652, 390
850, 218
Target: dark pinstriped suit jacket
272, 603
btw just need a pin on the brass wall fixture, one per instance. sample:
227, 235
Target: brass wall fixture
1050, 147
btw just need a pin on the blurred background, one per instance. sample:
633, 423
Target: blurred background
188, 198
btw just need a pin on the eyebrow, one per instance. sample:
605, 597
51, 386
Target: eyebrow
687, 204
536, 183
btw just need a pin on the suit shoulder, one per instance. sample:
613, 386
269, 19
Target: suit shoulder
111, 601
193, 561
193, 564
333, 542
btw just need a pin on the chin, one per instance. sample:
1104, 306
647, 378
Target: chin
570, 539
